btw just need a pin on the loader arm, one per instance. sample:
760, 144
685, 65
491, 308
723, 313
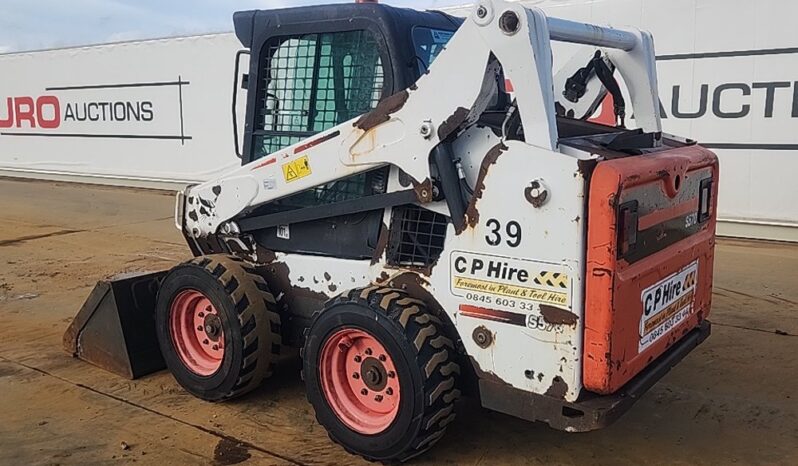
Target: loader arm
404, 129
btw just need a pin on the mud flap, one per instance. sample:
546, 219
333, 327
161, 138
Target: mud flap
115, 328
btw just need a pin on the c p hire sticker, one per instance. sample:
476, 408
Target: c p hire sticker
667, 303
515, 281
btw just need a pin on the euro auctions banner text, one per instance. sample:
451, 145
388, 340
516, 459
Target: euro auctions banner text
154, 111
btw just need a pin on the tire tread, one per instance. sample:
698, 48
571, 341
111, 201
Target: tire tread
257, 314
435, 357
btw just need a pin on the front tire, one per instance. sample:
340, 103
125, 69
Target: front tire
217, 327
380, 374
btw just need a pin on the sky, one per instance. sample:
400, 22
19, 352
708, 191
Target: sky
40, 24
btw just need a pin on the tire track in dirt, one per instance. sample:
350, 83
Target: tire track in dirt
22, 239
228, 442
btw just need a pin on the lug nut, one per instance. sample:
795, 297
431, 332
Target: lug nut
368, 351
378, 398
391, 374
355, 375
205, 342
389, 391
201, 314
215, 347
207, 309
382, 357
358, 359
364, 392
199, 327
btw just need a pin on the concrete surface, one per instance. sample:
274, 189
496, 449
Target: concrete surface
731, 401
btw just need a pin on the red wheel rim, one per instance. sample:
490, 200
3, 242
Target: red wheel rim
197, 334
359, 381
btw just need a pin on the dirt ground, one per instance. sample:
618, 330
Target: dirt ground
731, 401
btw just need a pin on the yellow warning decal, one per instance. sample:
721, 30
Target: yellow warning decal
553, 279
296, 169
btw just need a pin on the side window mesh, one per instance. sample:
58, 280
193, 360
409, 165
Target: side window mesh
313, 82
349, 188
417, 236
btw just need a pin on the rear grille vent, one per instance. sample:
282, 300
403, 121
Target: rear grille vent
417, 236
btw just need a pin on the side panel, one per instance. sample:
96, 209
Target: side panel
515, 274
511, 282
649, 260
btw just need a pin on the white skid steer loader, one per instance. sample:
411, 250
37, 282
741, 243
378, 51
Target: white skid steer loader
425, 209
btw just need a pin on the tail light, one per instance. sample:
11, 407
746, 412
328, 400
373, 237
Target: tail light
705, 200
627, 227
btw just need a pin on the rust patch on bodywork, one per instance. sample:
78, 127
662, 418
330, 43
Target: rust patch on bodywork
423, 191
557, 316
450, 125
472, 214
405, 180
487, 376
558, 388
382, 243
279, 276
416, 286
537, 201
382, 112
586, 167
264, 256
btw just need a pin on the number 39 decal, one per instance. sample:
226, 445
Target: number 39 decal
512, 230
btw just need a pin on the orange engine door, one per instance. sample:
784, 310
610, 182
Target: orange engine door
651, 238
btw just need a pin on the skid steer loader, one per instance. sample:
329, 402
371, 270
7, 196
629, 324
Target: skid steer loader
425, 209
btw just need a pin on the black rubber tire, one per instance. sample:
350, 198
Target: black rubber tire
250, 321
424, 360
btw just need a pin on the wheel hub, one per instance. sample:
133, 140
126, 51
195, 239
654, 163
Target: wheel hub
197, 332
213, 326
374, 374
359, 381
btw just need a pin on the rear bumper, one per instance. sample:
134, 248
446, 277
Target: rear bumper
592, 411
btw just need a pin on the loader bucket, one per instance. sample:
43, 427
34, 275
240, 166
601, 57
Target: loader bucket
115, 328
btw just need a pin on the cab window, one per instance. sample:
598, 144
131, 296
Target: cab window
312, 82
429, 43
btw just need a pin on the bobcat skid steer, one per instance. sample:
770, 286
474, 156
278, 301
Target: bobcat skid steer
425, 209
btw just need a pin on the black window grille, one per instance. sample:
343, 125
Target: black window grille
352, 187
417, 236
313, 82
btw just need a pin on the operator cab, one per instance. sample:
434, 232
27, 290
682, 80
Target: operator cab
312, 68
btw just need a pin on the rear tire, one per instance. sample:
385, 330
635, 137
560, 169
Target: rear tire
423, 359
217, 326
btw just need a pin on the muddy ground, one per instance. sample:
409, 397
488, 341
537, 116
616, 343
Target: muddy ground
733, 400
